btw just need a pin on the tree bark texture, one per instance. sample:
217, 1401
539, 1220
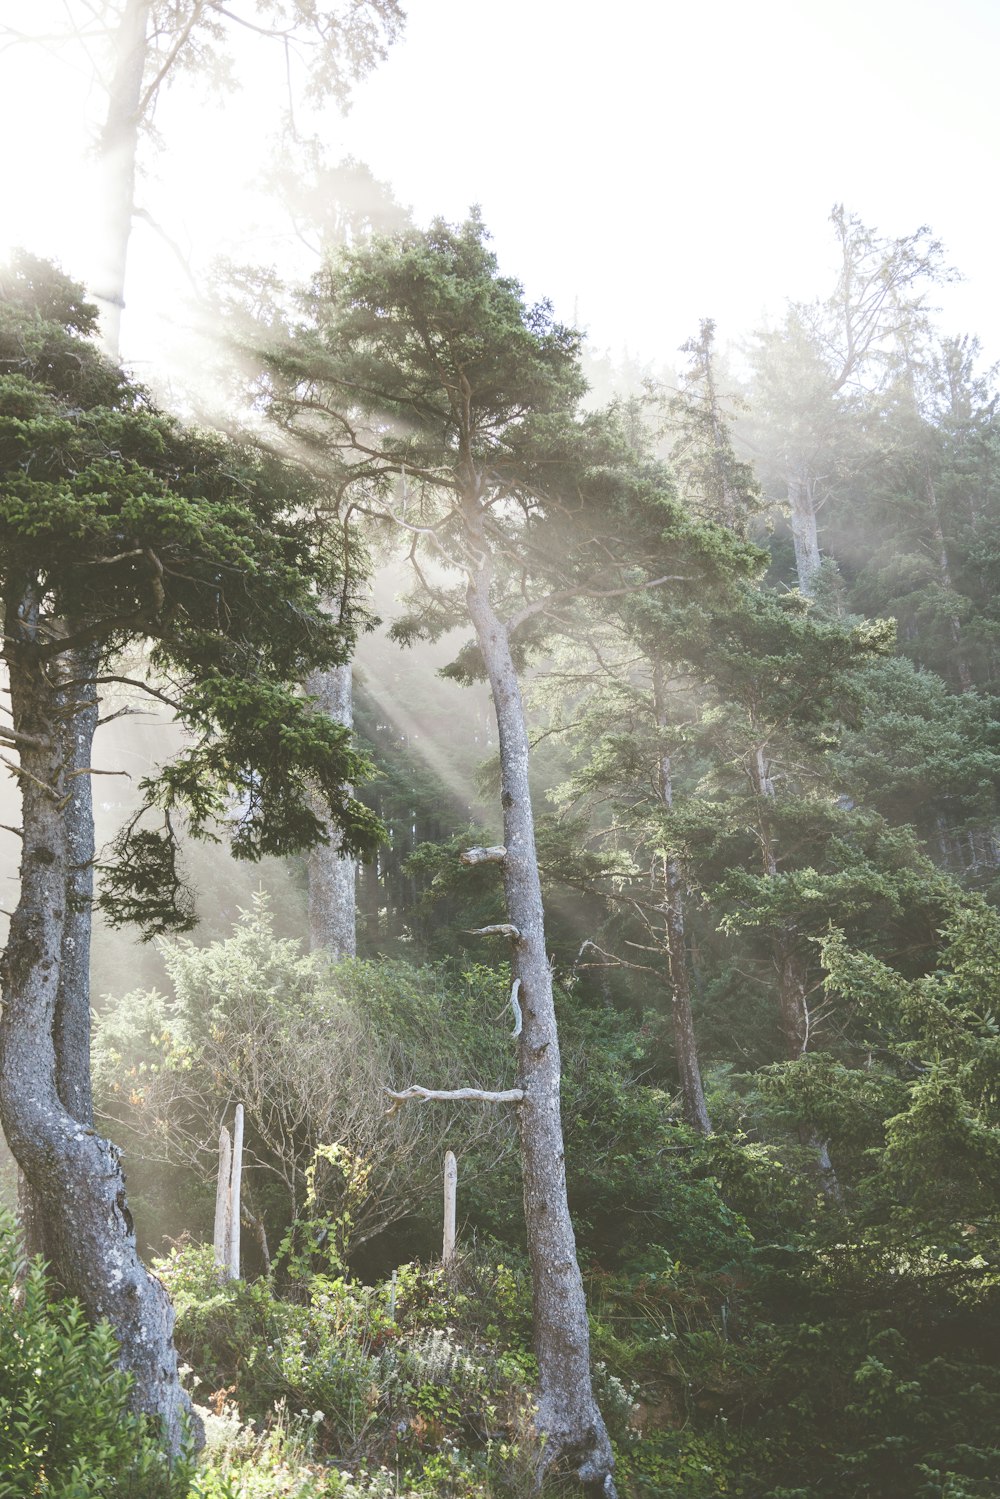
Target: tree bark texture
76, 1183
117, 163
332, 912
805, 536
568, 1416
74, 724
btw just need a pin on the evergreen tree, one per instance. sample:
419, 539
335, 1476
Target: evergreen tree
119, 529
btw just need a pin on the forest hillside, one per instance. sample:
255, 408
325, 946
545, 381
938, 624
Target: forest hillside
502, 985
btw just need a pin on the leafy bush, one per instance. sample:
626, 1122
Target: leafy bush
309, 1049
65, 1427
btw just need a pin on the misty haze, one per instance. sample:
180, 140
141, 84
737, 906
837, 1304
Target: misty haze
499, 535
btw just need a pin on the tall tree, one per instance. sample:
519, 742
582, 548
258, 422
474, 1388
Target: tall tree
119, 529
149, 43
830, 354
451, 406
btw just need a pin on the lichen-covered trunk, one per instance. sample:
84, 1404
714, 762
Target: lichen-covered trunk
332, 907
805, 534
568, 1416
77, 1187
74, 724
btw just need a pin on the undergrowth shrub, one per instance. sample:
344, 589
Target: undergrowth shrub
66, 1431
409, 1376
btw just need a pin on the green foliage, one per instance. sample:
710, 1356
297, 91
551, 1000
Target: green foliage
309, 1049
424, 1378
123, 529
65, 1426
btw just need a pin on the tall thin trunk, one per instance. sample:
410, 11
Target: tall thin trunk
75, 1176
681, 1016
568, 1417
118, 149
805, 535
789, 965
944, 572
332, 874
787, 960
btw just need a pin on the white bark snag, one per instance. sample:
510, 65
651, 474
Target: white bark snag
220, 1238
332, 919
568, 1416
118, 149
235, 1184
450, 1202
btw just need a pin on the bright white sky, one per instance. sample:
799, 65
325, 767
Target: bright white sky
644, 164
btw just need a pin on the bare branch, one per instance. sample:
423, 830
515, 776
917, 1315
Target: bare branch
515, 1006
493, 855
143, 687
16, 738
501, 929
453, 1095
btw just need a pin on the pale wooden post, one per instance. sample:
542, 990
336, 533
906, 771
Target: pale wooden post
220, 1239
234, 1196
450, 1195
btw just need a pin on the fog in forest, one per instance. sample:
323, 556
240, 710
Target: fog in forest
618, 397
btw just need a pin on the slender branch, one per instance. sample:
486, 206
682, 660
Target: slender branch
171, 57
143, 687
540, 605
26, 775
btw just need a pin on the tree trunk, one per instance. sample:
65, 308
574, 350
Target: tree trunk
682, 1019
944, 572
805, 537
72, 1022
118, 149
568, 1418
332, 919
75, 711
790, 967
75, 1178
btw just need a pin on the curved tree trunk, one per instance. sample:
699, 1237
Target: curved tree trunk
73, 1175
74, 723
332, 910
568, 1416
